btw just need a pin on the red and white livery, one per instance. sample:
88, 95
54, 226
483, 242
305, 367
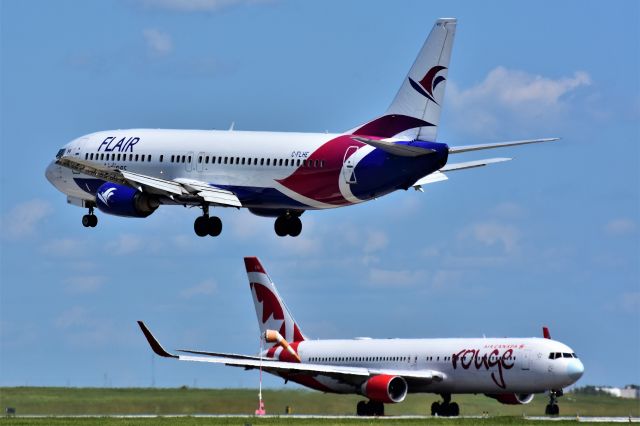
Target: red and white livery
511, 370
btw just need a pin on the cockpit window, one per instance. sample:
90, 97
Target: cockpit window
60, 153
574, 355
567, 355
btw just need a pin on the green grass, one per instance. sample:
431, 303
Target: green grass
253, 421
101, 401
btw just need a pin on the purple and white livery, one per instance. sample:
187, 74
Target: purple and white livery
132, 172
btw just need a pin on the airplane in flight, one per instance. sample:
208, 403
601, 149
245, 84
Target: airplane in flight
510, 369
132, 172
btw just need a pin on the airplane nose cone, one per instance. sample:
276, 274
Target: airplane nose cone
575, 369
50, 174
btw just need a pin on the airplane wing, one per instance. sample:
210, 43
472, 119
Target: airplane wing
345, 373
467, 148
440, 176
153, 185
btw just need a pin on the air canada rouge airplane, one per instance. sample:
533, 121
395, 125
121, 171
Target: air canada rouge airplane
274, 174
509, 369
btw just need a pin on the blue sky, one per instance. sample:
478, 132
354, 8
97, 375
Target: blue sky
551, 238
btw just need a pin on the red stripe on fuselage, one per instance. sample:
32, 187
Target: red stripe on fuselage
322, 184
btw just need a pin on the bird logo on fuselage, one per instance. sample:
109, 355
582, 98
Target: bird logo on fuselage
427, 85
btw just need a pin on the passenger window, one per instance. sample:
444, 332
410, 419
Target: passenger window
199, 159
280, 163
242, 161
136, 157
149, 158
86, 155
189, 159
262, 161
298, 162
206, 159
161, 158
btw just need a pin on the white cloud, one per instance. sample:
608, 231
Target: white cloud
63, 247
620, 226
205, 288
492, 233
73, 317
23, 219
510, 96
124, 244
395, 278
197, 5
375, 241
85, 283
158, 42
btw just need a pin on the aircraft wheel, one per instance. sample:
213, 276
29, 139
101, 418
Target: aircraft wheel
361, 408
454, 409
200, 226
555, 410
86, 221
93, 220
214, 226
280, 226
377, 408
294, 225
435, 409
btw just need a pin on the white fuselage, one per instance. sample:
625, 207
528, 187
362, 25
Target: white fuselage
271, 170
487, 365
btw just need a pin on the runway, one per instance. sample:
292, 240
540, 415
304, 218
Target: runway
331, 417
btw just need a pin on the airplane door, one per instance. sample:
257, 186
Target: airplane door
200, 164
78, 151
348, 169
525, 362
188, 165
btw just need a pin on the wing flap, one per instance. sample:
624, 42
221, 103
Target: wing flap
467, 148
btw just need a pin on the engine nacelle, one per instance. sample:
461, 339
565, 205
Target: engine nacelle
512, 398
120, 200
385, 388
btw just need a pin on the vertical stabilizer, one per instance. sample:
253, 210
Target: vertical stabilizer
271, 311
415, 111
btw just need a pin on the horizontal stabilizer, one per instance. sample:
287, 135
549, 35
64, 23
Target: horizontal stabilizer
472, 164
467, 148
394, 148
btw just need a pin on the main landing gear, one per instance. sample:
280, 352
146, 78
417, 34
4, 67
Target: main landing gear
446, 408
90, 220
552, 408
370, 408
205, 225
288, 224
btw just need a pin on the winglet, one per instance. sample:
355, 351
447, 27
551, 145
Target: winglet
155, 345
545, 332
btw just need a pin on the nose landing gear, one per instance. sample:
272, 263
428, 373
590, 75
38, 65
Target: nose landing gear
205, 225
552, 408
90, 220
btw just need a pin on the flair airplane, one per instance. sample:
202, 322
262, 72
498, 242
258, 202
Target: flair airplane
511, 370
281, 175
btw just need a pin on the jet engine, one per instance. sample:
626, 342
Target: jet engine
512, 398
385, 388
120, 200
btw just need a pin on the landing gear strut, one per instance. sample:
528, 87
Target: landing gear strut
205, 225
446, 408
370, 408
90, 220
552, 408
288, 224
